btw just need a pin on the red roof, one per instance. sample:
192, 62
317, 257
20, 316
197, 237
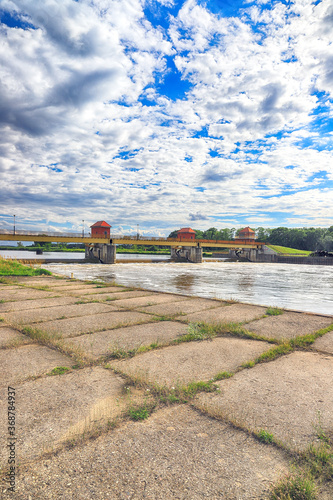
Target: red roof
186, 230
247, 230
101, 223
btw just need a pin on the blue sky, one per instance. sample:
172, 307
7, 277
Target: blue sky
166, 114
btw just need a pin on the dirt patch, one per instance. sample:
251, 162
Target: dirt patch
283, 397
10, 337
324, 343
132, 337
52, 313
185, 307
26, 361
86, 324
22, 305
288, 325
53, 409
235, 313
176, 454
191, 361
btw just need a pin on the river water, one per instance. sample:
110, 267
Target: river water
300, 287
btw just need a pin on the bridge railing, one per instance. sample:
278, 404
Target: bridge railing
19, 232
141, 238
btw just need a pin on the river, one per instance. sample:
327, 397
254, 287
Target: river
300, 287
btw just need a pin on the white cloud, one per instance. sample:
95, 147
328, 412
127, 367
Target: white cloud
70, 105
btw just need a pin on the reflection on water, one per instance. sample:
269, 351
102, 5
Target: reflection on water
245, 281
184, 282
300, 287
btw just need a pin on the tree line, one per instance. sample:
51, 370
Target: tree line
314, 239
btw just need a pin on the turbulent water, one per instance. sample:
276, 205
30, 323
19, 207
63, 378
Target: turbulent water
300, 287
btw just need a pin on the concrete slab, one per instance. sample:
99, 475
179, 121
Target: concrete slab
37, 280
78, 286
184, 307
93, 290
53, 409
326, 491
10, 287
132, 337
192, 361
75, 326
121, 295
283, 397
10, 337
59, 312
235, 313
289, 325
150, 300
22, 305
324, 344
25, 293
176, 454
105, 292
27, 361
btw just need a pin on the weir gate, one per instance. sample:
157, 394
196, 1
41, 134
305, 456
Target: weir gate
103, 249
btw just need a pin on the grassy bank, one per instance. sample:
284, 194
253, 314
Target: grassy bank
289, 251
10, 267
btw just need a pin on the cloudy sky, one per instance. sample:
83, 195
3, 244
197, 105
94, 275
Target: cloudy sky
166, 113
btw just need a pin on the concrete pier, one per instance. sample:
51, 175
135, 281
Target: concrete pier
105, 253
187, 254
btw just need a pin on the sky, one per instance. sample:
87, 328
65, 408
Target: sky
166, 114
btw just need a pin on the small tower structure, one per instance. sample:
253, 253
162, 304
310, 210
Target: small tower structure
246, 234
100, 229
185, 234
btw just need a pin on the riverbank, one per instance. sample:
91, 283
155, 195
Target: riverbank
126, 374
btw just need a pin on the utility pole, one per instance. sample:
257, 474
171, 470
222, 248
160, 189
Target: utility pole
14, 224
82, 228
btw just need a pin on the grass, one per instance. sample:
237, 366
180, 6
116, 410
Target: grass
296, 486
289, 251
59, 370
222, 376
264, 436
197, 332
314, 464
273, 311
10, 267
140, 413
56, 341
270, 355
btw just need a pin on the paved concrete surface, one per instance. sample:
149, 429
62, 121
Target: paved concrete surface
193, 361
132, 337
289, 325
185, 448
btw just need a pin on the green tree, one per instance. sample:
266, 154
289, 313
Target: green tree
210, 234
262, 234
